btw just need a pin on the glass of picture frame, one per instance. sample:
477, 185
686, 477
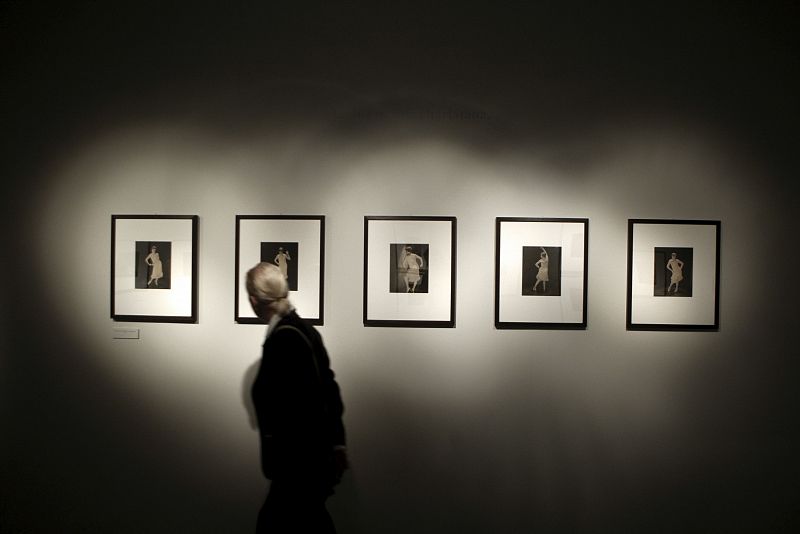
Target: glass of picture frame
540, 273
409, 271
673, 274
296, 244
154, 268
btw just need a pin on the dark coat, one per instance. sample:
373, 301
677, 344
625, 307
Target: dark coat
298, 405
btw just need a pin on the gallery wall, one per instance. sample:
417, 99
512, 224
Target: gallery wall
469, 429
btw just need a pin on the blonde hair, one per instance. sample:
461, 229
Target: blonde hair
267, 284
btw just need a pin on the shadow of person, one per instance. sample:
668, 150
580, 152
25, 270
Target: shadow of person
247, 398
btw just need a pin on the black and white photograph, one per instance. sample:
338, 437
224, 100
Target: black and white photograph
294, 243
409, 271
490, 384
408, 268
153, 261
286, 256
541, 271
673, 272
154, 268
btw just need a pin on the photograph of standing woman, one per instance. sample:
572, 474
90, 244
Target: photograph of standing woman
153, 260
541, 271
673, 272
284, 255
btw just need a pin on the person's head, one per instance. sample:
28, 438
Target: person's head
674, 255
268, 290
152, 248
543, 255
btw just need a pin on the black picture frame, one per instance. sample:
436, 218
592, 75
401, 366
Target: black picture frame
167, 293
418, 253
657, 295
528, 257
258, 237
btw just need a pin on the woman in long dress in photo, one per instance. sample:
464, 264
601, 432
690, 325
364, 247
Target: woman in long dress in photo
675, 266
411, 263
542, 276
282, 261
153, 260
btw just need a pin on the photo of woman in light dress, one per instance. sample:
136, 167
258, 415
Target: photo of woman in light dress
672, 273
542, 276
286, 256
540, 271
153, 260
282, 260
411, 263
675, 267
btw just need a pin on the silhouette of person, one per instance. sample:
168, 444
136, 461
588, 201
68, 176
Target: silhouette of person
412, 263
153, 260
542, 276
675, 266
299, 412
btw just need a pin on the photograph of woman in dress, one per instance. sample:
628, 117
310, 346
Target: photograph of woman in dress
673, 272
153, 260
153, 264
675, 267
542, 275
282, 260
541, 271
284, 254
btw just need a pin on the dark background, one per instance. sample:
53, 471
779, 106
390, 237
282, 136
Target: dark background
79, 456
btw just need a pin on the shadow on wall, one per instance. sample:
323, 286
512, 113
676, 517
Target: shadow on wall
247, 398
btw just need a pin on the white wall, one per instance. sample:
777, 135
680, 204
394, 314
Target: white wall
467, 429
545, 109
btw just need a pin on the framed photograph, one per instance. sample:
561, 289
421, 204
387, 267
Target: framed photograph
540, 273
154, 268
296, 244
410, 271
673, 275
